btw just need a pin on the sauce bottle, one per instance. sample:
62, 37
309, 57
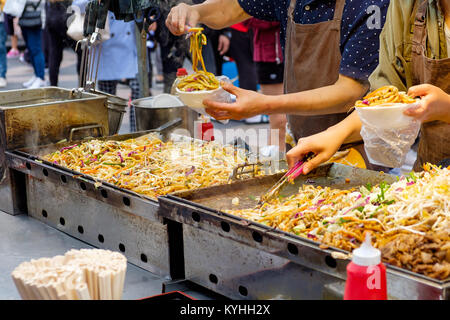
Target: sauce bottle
205, 129
181, 73
366, 274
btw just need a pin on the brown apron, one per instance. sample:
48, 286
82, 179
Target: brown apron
313, 57
434, 144
312, 60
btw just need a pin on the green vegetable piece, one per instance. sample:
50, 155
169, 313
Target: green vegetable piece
113, 164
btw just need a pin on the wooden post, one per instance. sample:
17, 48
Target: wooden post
141, 43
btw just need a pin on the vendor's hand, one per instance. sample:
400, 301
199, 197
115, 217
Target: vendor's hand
434, 104
248, 104
180, 18
324, 145
224, 44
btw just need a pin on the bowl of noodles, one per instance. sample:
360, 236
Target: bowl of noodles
193, 95
193, 89
384, 107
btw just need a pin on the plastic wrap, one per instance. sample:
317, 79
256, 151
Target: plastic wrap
388, 134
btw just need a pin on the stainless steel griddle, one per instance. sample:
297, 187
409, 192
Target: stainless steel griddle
240, 258
187, 235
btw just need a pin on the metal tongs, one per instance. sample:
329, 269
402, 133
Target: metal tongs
96, 15
90, 60
290, 175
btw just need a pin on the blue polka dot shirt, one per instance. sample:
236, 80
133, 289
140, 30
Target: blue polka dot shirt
361, 26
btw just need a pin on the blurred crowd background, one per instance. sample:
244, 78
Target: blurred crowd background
36, 50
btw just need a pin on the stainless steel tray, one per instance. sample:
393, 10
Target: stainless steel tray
41, 116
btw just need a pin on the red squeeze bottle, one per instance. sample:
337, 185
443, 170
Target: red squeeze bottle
208, 131
205, 130
181, 72
366, 275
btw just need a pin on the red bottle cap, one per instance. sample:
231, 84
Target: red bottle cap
181, 72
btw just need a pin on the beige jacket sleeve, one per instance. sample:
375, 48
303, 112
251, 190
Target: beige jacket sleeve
395, 47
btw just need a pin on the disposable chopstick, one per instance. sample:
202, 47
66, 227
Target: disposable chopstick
82, 292
51, 290
90, 281
20, 286
95, 283
35, 294
116, 281
78, 275
105, 286
122, 280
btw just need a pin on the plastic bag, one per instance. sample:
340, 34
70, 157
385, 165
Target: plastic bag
388, 134
14, 7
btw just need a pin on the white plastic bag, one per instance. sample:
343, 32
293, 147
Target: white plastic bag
14, 7
388, 134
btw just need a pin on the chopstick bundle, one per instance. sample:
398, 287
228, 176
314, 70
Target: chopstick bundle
86, 274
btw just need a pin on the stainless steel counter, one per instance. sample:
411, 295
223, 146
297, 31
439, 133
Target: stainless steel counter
23, 238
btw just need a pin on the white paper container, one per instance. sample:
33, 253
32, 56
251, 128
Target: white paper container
194, 99
387, 116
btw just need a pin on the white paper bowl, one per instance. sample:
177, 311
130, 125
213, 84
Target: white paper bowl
194, 99
386, 116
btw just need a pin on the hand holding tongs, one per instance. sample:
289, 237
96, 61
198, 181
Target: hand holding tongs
291, 175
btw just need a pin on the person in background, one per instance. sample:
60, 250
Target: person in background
3, 63
241, 50
9, 26
434, 105
173, 49
268, 58
220, 43
56, 28
159, 77
422, 69
118, 60
32, 35
330, 47
151, 51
